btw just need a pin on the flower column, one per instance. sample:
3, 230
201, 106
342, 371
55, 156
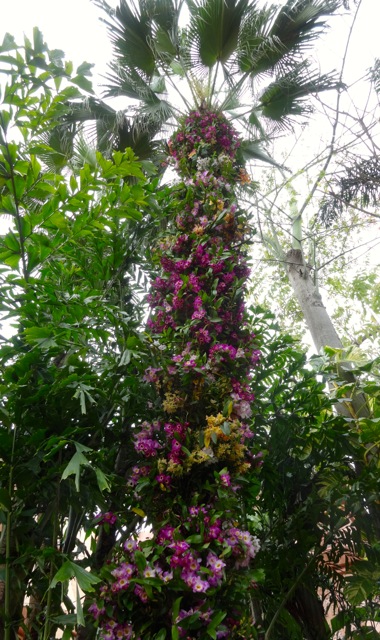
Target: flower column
188, 579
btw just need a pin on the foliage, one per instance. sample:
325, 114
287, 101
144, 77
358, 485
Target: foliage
361, 184
318, 472
69, 281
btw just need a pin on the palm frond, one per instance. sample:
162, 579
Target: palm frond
129, 28
214, 28
84, 152
189, 54
299, 22
164, 13
256, 47
164, 16
285, 97
233, 91
59, 142
126, 81
253, 150
221, 55
159, 110
108, 129
272, 38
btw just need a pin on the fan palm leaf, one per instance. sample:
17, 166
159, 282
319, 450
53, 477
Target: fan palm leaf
275, 37
130, 32
287, 96
113, 129
215, 27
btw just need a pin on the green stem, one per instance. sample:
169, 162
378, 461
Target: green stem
48, 607
49, 599
7, 595
17, 216
212, 91
7, 599
235, 90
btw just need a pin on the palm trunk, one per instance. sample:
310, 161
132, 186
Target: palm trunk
322, 329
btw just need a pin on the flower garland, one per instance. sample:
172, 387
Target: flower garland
186, 581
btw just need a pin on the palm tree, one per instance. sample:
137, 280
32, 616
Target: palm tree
233, 55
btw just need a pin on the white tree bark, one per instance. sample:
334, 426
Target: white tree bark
321, 327
317, 319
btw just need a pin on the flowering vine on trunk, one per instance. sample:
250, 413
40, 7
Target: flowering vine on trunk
189, 580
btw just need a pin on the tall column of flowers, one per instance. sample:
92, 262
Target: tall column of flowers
189, 579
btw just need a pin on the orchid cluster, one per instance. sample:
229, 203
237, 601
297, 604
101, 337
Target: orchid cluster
191, 559
195, 447
205, 142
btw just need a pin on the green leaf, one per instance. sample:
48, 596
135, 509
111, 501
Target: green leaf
251, 150
158, 84
38, 41
5, 500
7, 205
258, 575
70, 570
140, 560
175, 608
57, 219
215, 622
196, 538
358, 588
175, 632
69, 618
216, 24
11, 241
11, 259
177, 68
82, 447
79, 607
5, 118
8, 43
74, 467
84, 69
83, 393
188, 622
83, 83
34, 334
141, 484
103, 483
63, 574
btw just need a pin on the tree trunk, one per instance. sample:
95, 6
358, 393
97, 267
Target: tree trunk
324, 334
322, 329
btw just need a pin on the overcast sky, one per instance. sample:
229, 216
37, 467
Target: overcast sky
74, 26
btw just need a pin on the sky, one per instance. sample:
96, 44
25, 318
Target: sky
75, 27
